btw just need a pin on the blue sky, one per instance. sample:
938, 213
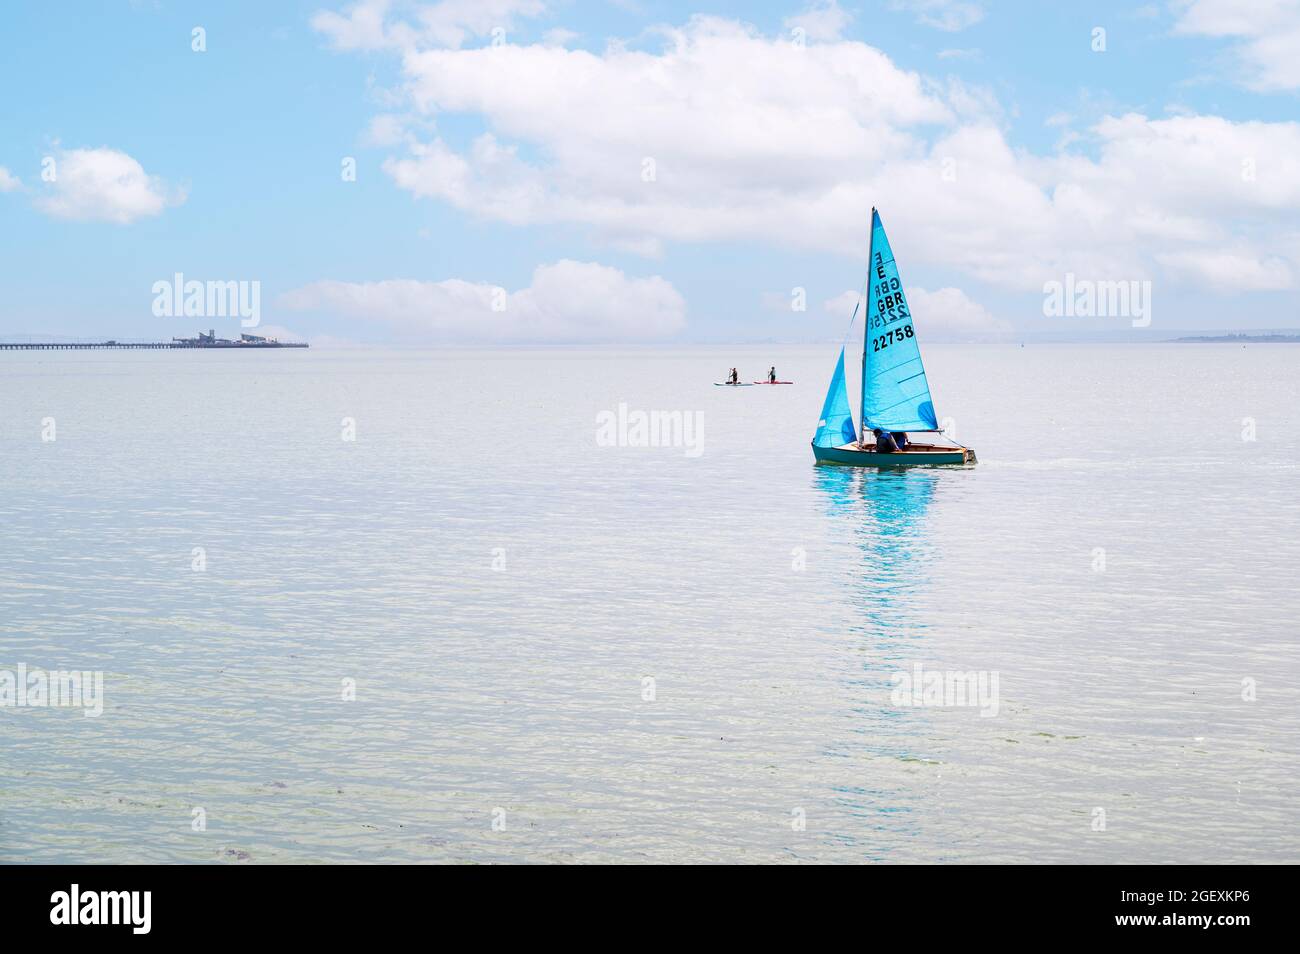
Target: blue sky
501, 191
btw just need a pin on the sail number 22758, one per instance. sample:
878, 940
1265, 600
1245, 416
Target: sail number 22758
884, 341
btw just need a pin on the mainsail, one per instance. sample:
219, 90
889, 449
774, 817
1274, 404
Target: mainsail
835, 427
895, 393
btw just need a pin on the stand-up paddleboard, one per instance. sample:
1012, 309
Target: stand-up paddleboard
728, 384
774, 382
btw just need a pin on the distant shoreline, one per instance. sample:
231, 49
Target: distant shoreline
1243, 339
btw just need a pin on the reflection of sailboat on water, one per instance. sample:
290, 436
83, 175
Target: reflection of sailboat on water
884, 515
892, 500
895, 391
885, 512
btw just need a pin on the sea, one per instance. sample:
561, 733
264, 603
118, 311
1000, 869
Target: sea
581, 605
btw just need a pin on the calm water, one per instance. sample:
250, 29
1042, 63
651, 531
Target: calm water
499, 585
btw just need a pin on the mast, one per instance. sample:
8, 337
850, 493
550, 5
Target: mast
866, 334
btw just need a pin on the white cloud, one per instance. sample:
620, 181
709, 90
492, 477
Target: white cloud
558, 36
723, 114
843, 303
948, 15
949, 314
104, 185
8, 181
1232, 270
566, 301
751, 138
821, 20
385, 129
1266, 35
943, 315
365, 25
360, 27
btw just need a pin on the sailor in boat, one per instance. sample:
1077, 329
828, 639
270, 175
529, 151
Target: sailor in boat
890, 442
771, 375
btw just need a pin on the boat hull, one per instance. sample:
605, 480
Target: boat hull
928, 456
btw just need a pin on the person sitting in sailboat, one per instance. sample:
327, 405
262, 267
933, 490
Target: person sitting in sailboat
889, 442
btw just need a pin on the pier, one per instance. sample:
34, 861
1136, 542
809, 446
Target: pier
80, 345
209, 340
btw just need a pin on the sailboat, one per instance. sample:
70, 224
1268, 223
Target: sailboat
895, 392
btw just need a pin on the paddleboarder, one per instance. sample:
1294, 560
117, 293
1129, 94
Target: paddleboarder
771, 375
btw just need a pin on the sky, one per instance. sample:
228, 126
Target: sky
558, 171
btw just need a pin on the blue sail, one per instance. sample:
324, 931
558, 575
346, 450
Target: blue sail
895, 393
835, 428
